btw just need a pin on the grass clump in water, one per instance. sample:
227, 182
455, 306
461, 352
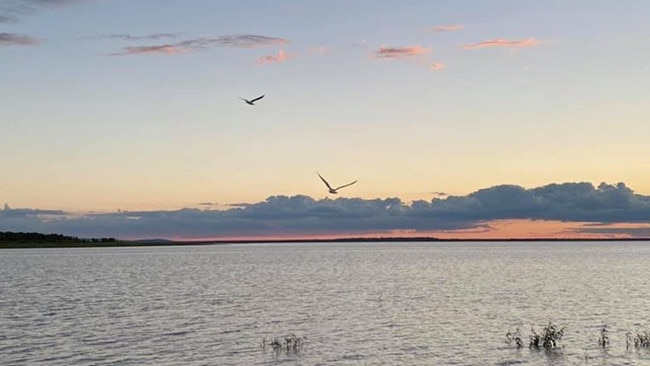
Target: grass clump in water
603, 340
515, 337
289, 345
637, 339
549, 339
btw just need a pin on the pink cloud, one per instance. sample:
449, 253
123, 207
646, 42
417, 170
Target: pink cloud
437, 66
401, 52
448, 28
529, 42
280, 57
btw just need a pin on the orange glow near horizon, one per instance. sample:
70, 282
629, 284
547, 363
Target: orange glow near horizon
529, 229
497, 229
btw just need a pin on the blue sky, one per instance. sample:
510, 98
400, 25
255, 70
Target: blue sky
133, 105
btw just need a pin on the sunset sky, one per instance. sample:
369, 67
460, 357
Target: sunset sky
458, 118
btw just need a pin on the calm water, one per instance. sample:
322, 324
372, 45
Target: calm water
356, 304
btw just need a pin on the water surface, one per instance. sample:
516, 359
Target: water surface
354, 303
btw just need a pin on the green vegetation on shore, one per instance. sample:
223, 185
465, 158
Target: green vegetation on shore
10, 239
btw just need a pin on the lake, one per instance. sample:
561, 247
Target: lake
350, 304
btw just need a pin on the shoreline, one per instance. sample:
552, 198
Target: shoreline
163, 242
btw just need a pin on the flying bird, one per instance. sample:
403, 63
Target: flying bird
252, 101
334, 190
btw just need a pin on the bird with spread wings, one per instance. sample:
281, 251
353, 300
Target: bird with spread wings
334, 190
252, 101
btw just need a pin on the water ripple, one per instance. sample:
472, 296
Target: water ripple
375, 304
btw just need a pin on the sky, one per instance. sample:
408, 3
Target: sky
478, 118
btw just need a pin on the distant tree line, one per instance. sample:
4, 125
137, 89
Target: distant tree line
21, 237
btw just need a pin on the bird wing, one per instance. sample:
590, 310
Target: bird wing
245, 100
324, 181
258, 98
345, 185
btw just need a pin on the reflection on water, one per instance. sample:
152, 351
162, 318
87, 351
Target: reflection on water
371, 303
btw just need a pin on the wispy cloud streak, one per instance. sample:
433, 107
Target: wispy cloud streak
191, 45
162, 49
128, 37
631, 230
7, 18
280, 57
45, 2
436, 66
13, 39
448, 28
11, 10
386, 52
248, 41
529, 42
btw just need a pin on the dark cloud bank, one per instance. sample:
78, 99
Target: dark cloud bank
302, 215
